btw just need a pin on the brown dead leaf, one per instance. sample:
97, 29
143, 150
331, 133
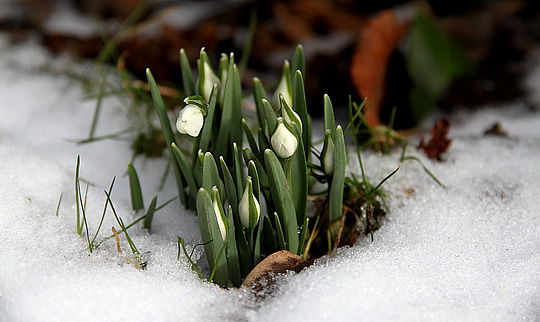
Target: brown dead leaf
277, 263
379, 39
439, 141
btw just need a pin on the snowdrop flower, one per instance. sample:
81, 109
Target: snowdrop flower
328, 154
190, 120
218, 210
248, 199
283, 141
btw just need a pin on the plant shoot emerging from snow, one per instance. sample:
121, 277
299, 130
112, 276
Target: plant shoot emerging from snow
252, 199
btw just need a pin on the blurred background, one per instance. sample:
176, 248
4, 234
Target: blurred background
415, 56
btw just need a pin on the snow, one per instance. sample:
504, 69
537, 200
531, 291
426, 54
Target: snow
469, 252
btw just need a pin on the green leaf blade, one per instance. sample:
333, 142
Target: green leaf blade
338, 180
135, 192
283, 201
211, 237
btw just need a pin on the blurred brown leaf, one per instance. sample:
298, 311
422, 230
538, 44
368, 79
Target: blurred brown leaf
439, 141
379, 39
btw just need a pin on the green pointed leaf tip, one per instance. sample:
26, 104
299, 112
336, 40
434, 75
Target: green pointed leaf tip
270, 116
300, 106
254, 174
259, 93
147, 222
290, 116
299, 60
329, 119
137, 202
187, 76
210, 177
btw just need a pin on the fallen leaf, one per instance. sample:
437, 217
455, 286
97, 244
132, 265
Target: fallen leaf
439, 141
378, 40
277, 263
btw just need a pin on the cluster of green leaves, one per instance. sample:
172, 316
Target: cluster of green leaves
214, 181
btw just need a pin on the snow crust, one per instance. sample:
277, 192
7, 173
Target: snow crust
470, 252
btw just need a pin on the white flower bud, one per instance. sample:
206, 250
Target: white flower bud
244, 206
284, 87
210, 79
283, 141
190, 120
207, 77
328, 154
219, 212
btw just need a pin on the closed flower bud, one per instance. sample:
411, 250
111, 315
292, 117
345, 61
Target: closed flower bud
207, 77
328, 153
284, 87
218, 210
283, 141
249, 207
190, 120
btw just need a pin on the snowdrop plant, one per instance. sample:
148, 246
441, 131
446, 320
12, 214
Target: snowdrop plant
251, 199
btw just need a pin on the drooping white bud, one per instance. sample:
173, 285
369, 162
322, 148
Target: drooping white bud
249, 207
283, 141
190, 120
